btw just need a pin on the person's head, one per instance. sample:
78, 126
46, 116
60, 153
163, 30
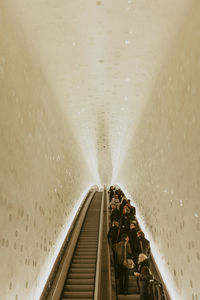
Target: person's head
145, 271
128, 201
116, 196
125, 237
115, 223
141, 257
113, 206
123, 198
140, 234
132, 226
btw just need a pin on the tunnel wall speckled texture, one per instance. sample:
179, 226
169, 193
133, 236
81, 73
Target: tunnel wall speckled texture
161, 170
42, 174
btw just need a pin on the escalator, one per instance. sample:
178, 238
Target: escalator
82, 271
80, 281
76, 273
133, 291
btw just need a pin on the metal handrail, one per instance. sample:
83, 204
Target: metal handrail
167, 296
99, 251
112, 287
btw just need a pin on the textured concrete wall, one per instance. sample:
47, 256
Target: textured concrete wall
161, 170
89, 68
42, 173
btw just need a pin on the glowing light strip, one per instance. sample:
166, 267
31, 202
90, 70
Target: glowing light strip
163, 268
47, 267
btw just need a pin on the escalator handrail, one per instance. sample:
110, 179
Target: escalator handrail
161, 281
112, 289
99, 251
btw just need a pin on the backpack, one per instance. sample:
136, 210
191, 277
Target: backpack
155, 290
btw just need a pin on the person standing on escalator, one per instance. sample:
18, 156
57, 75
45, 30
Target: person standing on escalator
143, 244
133, 240
123, 272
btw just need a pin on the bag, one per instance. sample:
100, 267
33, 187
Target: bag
155, 290
128, 263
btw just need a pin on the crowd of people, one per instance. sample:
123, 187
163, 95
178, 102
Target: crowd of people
128, 243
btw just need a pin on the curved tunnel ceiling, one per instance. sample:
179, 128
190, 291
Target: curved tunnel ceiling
101, 59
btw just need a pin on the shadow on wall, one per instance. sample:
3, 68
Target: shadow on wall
162, 172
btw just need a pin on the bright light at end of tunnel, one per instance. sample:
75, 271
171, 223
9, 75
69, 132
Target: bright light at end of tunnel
163, 268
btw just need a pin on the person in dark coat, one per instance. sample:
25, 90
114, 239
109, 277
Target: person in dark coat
143, 261
114, 236
143, 243
144, 279
133, 240
122, 204
132, 209
111, 193
123, 271
115, 214
114, 233
125, 223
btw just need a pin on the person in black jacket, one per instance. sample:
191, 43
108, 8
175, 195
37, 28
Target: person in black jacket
143, 244
143, 261
133, 241
144, 279
122, 204
111, 193
115, 214
114, 235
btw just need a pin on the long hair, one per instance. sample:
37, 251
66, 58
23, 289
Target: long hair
141, 257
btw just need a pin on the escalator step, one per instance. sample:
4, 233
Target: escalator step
84, 256
133, 290
85, 244
84, 261
81, 270
81, 276
78, 294
79, 288
80, 281
76, 298
85, 253
128, 297
82, 265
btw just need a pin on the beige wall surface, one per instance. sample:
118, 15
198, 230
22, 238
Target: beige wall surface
42, 172
161, 170
89, 91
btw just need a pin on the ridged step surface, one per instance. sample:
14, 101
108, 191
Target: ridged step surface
128, 297
79, 284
